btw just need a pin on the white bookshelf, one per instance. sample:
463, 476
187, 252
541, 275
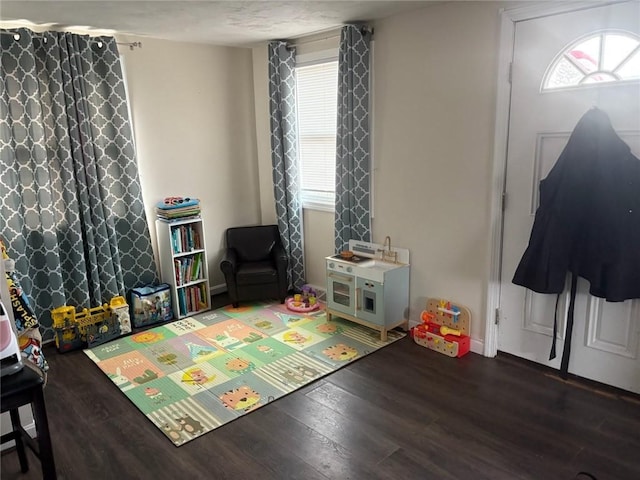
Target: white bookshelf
183, 264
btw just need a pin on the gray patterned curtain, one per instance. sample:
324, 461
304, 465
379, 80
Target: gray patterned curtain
353, 212
70, 196
284, 156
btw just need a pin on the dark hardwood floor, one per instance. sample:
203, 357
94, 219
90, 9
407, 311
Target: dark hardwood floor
404, 412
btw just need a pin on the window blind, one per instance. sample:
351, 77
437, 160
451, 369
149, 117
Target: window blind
317, 96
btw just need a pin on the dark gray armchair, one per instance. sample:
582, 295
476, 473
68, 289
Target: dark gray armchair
255, 264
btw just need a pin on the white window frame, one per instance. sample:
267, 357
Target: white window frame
311, 201
602, 34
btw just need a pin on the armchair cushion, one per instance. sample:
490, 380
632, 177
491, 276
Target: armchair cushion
255, 273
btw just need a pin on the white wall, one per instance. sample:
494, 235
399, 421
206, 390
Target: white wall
434, 105
435, 80
192, 109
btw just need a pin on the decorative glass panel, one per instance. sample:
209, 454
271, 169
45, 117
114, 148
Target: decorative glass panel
600, 58
586, 55
616, 49
631, 68
565, 74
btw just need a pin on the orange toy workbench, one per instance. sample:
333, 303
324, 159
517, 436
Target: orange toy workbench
444, 328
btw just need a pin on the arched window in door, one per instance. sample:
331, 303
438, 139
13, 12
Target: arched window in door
610, 56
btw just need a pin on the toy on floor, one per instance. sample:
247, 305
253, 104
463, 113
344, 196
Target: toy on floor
26, 323
444, 328
307, 301
150, 304
89, 327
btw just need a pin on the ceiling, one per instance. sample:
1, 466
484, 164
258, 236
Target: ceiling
236, 23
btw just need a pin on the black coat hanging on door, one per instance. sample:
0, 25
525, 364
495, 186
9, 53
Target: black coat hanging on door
588, 221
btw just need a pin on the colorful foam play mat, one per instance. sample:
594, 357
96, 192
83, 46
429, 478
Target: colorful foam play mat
194, 375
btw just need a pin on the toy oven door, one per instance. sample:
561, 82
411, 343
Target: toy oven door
341, 292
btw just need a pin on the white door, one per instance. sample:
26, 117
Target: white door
560, 65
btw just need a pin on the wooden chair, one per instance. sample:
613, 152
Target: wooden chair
23, 388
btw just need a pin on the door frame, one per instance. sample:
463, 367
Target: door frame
508, 20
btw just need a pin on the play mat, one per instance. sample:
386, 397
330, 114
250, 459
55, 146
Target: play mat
194, 375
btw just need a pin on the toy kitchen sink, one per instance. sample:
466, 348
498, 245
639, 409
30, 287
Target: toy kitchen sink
370, 287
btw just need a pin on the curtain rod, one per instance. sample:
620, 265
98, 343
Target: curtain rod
131, 45
294, 43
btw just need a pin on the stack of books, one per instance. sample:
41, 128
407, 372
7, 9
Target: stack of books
172, 208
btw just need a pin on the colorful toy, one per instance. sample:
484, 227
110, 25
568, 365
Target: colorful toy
427, 316
26, 323
87, 327
444, 328
307, 301
177, 202
121, 310
9, 348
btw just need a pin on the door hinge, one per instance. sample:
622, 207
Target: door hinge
504, 200
497, 319
510, 71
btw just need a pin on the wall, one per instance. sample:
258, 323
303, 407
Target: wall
193, 114
434, 107
434, 114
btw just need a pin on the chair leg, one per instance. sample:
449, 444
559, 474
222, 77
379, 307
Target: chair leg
44, 439
16, 426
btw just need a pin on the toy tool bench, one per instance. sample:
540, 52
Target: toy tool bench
444, 328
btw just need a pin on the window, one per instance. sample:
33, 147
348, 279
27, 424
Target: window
603, 57
317, 96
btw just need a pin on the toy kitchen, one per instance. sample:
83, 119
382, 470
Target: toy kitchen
369, 284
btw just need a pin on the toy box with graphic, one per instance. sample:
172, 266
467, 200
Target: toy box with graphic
150, 304
444, 328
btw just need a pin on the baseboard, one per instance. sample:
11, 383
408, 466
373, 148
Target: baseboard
477, 346
222, 288
217, 289
321, 291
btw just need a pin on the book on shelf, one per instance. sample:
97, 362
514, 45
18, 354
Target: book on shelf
175, 212
185, 238
192, 299
188, 269
179, 219
195, 270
